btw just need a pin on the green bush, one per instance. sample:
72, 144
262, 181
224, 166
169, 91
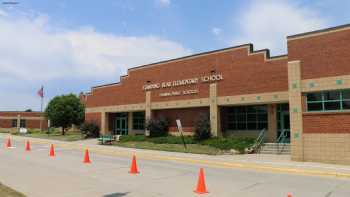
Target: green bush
132, 138
90, 129
239, 144
158, 127
171, 140
32, 131
202, 128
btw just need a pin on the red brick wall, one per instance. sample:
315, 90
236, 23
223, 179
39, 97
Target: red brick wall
23, 114
322, 56
5, 123
93, 117
30, 124
187, 117
242, 74
36, 124
326, 123
251, 74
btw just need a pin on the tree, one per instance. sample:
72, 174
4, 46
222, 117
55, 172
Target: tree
28, 110
65, 110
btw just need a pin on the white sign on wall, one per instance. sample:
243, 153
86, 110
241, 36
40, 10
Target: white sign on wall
183, 82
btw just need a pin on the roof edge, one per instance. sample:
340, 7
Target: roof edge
316, 32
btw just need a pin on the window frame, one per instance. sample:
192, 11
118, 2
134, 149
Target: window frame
14, 123
323, 101
23, 123
138, 123
235, 123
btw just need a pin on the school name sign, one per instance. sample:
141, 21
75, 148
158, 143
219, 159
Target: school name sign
183, 82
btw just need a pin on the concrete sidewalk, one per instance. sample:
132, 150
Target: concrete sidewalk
256, 162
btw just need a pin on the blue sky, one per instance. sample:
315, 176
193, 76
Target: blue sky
69, 46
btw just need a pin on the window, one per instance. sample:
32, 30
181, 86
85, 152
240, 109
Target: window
138, 120
247, 117
23, 124
14, 123
328, 101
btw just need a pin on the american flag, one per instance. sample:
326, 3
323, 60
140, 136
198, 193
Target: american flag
41, 92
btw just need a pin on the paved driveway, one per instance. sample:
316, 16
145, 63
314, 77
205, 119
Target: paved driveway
36, 174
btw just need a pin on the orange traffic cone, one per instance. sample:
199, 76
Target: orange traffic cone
133, 168
52, 151
8, 143
201, 188
28, 146
86, 157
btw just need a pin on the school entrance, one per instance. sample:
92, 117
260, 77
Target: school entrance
283, 123
120, 124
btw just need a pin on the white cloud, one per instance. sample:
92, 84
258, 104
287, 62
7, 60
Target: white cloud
3, 13
164, 2
216, 31
33, 50
267, 23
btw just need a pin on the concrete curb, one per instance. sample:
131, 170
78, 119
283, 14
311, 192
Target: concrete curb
112, 151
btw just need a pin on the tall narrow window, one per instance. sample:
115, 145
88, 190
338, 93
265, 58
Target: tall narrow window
14, 123
138, 120
23, 124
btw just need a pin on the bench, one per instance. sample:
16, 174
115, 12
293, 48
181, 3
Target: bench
106, 139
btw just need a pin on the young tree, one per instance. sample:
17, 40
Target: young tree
65, 110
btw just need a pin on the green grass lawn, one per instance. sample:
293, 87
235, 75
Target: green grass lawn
212, 146
69, 136
8, 192
191, 148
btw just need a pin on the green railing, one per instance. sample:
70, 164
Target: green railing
259, 141
282, 140
283, 137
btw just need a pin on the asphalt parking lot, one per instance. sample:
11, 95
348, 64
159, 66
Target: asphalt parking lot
36, 174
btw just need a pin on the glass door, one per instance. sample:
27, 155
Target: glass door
283, 122
121, 124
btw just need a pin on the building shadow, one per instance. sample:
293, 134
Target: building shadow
116, 194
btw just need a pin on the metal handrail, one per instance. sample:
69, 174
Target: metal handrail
259, 141
281, 140
282, 137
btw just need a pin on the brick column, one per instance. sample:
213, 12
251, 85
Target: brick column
214, 111
130, 120
295, 108
18, 122
148, 110
272, 123
104, 123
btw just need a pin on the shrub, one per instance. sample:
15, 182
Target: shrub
239, 144
158, 127
31, 131
171, 140
90, 129
132, 138
202, 128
